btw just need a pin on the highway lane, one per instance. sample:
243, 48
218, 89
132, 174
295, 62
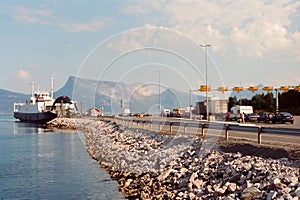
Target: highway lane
286, 125
164, 119
266, 137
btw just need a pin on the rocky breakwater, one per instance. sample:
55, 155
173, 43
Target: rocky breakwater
150, 166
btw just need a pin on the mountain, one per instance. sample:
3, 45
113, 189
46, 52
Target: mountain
108, 95
138, 97
8, 98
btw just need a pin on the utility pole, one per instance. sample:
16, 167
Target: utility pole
206, 81
80, 108
240, 100
277, 103
159, 100
191, 102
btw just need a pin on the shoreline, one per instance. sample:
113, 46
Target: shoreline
148, 165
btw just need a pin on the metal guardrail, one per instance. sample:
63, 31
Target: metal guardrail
217, 126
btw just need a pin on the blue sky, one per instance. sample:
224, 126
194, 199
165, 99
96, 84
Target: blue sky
131, 41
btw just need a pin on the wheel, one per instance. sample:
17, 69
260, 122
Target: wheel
292, 122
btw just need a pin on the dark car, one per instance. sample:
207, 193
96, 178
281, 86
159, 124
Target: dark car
284, 117
254, 117
138, 115
186, 114
266, 117
147, 115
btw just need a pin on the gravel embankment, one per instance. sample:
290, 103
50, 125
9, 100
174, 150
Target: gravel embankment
150, 166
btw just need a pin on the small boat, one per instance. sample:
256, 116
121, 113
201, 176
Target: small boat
38, 108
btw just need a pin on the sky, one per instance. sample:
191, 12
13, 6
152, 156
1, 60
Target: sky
152, 42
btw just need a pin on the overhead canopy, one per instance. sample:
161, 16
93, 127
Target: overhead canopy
62, 99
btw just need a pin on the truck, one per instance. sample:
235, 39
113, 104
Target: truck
236, 111
166, 112
126, 112
178, 112
217, 108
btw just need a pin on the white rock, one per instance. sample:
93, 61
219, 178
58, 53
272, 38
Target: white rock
272, 194
231, 187
249, 193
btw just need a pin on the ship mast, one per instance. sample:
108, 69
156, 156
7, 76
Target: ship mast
52, 86
32, 88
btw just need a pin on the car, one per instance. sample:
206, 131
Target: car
254, 117
147, 115
283, 117
186, 114
138, 115
266, 117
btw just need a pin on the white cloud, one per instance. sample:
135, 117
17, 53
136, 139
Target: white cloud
92, 26
45, 17
142, 7
35, 12
246, 28
32, 15
22, 74
134, 39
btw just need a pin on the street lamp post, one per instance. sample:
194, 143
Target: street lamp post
240, 100
159, 100
191, 103
277, 103
206, 82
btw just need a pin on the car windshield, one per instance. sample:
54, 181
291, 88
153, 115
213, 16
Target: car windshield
287, 114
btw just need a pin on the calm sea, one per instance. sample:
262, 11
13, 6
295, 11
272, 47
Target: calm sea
39, 163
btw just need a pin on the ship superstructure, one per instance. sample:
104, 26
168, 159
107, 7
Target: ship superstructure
38, 108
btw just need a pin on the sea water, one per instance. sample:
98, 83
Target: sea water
39, 163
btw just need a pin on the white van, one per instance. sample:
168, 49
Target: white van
166, 112
236, 111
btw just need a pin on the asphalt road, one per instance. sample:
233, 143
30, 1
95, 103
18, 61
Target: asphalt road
266, 137
286, 125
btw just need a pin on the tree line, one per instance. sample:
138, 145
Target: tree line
288, 102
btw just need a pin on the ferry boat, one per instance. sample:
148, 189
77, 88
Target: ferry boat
38, 108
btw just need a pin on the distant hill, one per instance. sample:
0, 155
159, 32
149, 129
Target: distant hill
92, 93
106, 94
8, 98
